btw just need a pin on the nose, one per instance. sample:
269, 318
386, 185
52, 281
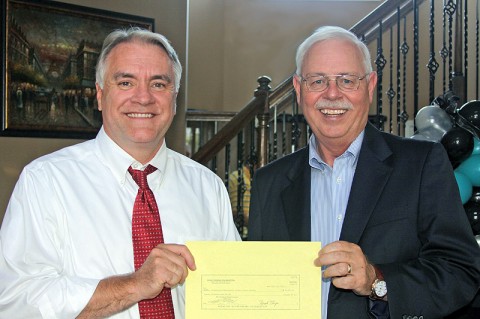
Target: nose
332, 91
143, 94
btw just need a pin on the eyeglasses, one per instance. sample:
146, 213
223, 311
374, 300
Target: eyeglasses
345, 82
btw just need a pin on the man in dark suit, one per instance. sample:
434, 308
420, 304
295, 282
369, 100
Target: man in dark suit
396, 240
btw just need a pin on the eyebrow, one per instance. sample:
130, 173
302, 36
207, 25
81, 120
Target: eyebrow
325, 74
120, 75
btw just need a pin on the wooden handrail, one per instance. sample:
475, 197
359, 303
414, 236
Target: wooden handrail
281, 90
209, 116
236, 124
368, 26
228, 132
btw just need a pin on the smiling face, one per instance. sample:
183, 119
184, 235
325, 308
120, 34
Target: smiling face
335, 117
138, 98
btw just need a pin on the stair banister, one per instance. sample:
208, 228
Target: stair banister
256, 106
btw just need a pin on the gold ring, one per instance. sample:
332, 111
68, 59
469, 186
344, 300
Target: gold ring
349, 269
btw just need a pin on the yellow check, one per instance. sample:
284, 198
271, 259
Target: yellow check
255, 280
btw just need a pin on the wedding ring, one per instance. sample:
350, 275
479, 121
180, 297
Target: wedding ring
349, 269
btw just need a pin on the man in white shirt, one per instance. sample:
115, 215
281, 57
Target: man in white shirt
66, 239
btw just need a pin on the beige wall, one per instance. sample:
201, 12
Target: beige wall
234, 42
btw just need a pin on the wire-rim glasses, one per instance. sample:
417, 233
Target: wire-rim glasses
345, 82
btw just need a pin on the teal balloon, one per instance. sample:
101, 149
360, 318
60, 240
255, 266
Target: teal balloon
476, 146
471, 169
464, 186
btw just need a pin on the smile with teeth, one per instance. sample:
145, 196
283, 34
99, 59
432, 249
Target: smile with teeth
140, 115
333, 111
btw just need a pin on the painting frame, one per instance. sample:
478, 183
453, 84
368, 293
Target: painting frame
48, 66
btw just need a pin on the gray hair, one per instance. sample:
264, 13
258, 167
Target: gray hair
137, 34
331, 32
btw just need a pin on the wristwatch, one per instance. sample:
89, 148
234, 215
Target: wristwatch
379, 286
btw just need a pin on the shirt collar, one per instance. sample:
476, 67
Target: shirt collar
316, 161
118, 161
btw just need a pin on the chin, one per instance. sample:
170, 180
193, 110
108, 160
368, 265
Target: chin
144, 137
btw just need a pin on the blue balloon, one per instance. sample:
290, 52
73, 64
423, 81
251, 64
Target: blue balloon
476, 146
471, 169
464, 186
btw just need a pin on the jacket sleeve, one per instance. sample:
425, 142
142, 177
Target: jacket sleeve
445, 274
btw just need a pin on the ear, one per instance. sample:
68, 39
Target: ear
372, 83
297, 84
99, 96
175, 104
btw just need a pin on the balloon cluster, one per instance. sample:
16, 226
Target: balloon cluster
457, 128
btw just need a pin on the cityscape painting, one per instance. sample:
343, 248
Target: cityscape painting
48, 66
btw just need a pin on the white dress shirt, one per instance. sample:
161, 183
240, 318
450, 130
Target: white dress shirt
68, 224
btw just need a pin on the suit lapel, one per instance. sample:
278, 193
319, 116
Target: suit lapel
370, 177
296, 198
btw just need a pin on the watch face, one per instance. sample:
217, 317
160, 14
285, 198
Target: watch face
381, 288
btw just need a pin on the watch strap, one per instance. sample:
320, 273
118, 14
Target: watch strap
378, 277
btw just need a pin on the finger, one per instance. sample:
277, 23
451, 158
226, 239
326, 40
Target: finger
174, 264
337, 270
334, 257
176, 276
344, 282
338, 245
182, 250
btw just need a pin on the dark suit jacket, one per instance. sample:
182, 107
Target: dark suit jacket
404, 211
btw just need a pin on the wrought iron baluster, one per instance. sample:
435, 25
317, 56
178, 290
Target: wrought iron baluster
405, 49
477, 45
227, 163
380, 63
415, 57
450, 8
432, 62
399, 95
253, 156
444, 51
465, 48
275, 135
391, 92
295, 133
294, 126
239, 219
284, 134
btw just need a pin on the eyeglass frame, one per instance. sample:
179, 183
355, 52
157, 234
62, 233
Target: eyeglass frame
337, 76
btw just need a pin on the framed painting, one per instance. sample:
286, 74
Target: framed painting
50, 50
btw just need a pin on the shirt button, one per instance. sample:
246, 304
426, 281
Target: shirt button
339, 180
339, 217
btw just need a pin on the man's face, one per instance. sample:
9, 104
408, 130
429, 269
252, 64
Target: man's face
335, 117
138, 97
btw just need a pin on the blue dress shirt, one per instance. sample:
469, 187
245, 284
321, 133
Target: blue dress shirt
329, 197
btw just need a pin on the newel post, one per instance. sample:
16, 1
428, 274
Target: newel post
262, 92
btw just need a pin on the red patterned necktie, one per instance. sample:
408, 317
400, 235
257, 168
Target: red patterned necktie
147, 233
